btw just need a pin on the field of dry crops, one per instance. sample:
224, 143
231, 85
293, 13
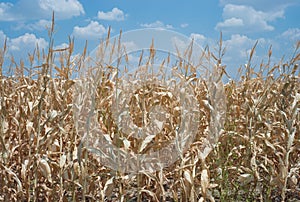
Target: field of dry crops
257, 157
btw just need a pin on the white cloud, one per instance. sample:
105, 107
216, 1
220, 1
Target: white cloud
5, 14
179, 44
238, 46
130, 46
291, 34
133, 57
115, 14
37, 9
157, 24
231, 22
26, 42
245, 19
184, 25
5, 6
63, 8
238, 49
199, 39
2, 39
239, 43
265, 5
183, 44
94, 30
61, 46
2, 36
40, 25
20, 46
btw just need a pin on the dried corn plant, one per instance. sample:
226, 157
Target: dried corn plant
42, 159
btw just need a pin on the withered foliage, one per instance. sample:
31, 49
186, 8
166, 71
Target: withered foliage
256, 158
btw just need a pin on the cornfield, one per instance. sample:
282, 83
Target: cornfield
257, 156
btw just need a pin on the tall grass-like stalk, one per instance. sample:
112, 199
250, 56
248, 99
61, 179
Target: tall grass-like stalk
2, 115
256, 157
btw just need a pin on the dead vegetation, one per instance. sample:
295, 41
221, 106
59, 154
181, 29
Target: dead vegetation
257, 157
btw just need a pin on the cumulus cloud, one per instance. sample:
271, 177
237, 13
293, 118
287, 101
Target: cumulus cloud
291, 34
238, 49
40, 25
37, 9
115, 14
245, 19
2, 39
2, 36
239, 45
231, 22
184, 25
63, 8
199, 39
93, 30
61, 46
130, 46
265, 5
5, 14
26, 42
182, 44
157, 24
237, 40
20, 46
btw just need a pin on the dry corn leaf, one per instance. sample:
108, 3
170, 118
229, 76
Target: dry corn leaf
15, 177
32, 105
5, 126
187, 175
204, 181
201, 199
45, 168
24, 169
75, 153
152, 194
270, 145
62, 160
126, 143
109, 186
146, 141
77, 168
108, 138
29, 127
245, 178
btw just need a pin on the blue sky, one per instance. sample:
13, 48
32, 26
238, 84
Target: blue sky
271, 22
